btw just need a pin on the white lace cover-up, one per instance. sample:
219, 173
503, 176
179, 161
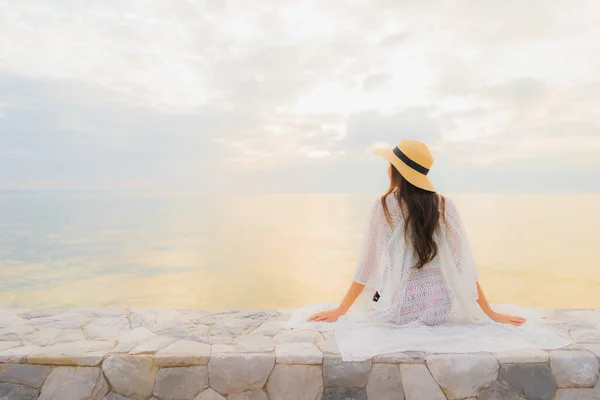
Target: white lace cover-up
431, 309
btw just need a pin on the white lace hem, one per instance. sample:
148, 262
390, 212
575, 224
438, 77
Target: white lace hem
359, 340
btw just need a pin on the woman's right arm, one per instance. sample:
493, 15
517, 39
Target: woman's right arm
366, 266
368, 261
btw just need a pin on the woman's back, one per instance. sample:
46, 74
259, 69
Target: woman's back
425, 296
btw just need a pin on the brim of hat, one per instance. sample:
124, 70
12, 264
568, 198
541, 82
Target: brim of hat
419, 180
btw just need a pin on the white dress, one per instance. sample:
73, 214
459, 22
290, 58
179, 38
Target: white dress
432, 309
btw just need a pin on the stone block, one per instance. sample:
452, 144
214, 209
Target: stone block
532, 381
573, 369
298, 353
498, 392
65, 383
384, 383
357, 393
183, 353
11, 391
180, 383
463, 375
231, 373
24, 374
338, 373
301, 382
131, 376
418, 384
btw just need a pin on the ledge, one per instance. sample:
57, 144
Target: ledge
105, 354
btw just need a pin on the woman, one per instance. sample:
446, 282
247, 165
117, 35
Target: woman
419, 280
413, 215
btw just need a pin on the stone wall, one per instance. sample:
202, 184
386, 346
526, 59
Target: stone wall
248, 355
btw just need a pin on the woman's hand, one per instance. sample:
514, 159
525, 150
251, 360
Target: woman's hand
507, 319
326, 316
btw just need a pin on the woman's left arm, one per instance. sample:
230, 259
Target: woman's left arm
349, 299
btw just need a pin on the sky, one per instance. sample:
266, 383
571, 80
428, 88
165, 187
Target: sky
290, 96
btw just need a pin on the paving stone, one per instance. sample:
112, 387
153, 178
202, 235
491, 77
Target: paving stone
152, 345
590, 317
16, 333
298, 353
247, 315
407, 357
183, 353
60, 321
101, 388
255, 343
110, 328
257, 394
50, 336
123, 348
66, 383
221, 339
463, 375
166, 319
225, 348
329, 346
9, 345
115, 396
357, 393
232, 327
575, 394
11, 391
585, 335
142, 318
24, 374
136, 335
418, 384
191, 332
131, 376
17, 354
39, 313
572, 369
384, 382
209, 394
591, 347
84, 353
301, 382
532, 381
231, 373
269, 328
337, 373
7, 320
181, 383
103, 312
498, 392
298, 336
527, 356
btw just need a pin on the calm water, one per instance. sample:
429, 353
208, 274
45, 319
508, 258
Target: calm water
271, 250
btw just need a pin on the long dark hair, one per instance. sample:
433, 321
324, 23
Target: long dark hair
421, 212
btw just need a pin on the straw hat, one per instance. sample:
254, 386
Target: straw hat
413, 160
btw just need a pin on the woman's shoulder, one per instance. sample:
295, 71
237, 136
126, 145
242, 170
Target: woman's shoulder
390, 201
446, 203
449, 210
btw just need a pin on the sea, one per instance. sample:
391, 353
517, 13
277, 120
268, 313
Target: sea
189, 251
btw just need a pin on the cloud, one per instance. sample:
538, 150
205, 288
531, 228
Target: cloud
176, 95
517, 90
365, 128
374, 81
395, 39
